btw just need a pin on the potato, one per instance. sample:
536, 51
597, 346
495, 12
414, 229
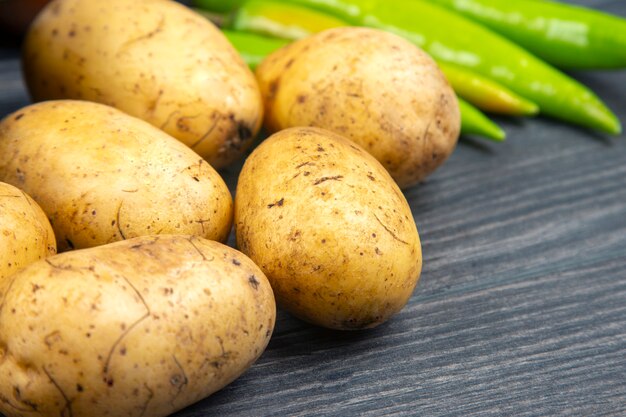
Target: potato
154, 59
329, 228
137, 328
370, 86
25, 232
102, 176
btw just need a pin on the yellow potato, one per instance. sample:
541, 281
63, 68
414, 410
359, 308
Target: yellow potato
143, 327
329, 228
154, 59
370, 86
102, 176
25, 232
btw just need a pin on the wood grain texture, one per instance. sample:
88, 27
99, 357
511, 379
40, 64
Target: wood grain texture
521, 309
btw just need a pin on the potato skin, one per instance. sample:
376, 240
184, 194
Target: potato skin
154, 59
102, 176
370, 86
142, 327
329, 228
25, 233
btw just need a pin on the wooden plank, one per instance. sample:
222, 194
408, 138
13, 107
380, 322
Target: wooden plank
525, 348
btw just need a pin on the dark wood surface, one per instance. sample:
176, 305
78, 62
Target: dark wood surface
521, 309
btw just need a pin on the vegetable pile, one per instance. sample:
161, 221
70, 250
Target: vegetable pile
139, 103
500, 56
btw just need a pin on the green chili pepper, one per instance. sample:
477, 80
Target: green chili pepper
281, 20
449, 37
289, 21
219, 6
485, 93
473, 122
565, 35
254, 48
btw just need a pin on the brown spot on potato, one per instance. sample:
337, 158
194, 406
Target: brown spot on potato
20, 175
323, 179
294, 236
279, 203
181, 123
176, 380
305, 164
254, 283
56, 8
52, 338
273, 89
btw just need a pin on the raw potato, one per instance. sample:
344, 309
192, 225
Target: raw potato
102, 176
329, 227
370, 86
25, 232
154, 59
143, 327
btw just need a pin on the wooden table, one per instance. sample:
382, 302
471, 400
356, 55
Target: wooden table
521, 309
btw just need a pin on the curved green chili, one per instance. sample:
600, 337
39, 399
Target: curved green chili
219, 6
289, 21
281, 20
485, 93
449, 37
473, 122
254, 48
564, 35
